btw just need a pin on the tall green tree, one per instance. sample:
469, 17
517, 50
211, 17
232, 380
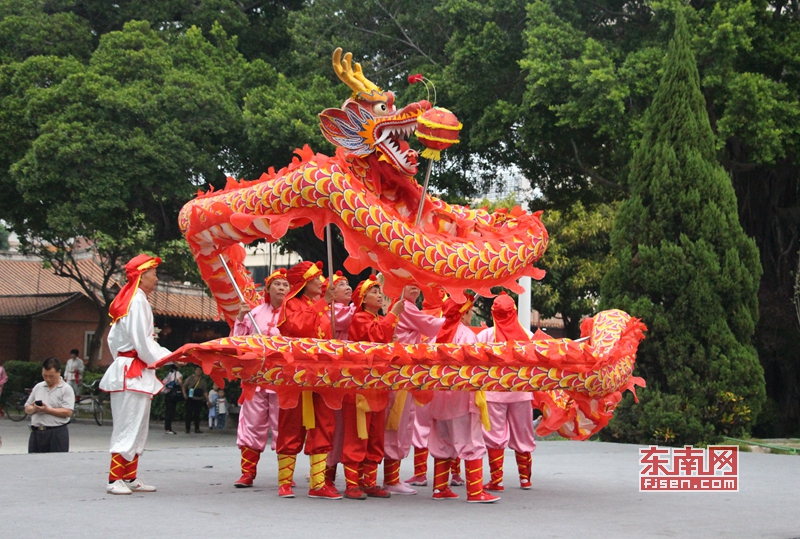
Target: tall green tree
106, 153
575, 261
684, 265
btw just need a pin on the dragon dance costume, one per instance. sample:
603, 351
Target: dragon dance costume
306, 419
456, 420
510, 413
259, 414
363, 420
412, 325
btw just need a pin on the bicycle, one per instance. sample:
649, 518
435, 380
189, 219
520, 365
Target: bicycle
94, 400
15, 405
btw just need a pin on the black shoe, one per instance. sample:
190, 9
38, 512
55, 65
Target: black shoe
188, 431
198, 431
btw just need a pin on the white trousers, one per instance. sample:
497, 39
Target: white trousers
131, 413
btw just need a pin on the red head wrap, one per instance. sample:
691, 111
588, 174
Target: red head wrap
301, 274
453, 313
506, 322
361, 291
133, 270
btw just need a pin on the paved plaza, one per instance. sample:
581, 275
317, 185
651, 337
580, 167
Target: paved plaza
581, 489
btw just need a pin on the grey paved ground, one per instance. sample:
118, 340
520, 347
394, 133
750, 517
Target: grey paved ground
580, 490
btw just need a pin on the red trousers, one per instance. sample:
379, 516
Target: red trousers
292, 433
356, 449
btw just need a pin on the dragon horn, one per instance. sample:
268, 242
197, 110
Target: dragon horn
353, 78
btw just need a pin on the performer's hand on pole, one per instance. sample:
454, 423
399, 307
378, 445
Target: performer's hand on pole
329, 294
244, 308
399, 308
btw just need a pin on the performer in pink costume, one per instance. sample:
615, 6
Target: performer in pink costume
259, 415
343, 309
510, 413
343, 314
412, 326
456, 418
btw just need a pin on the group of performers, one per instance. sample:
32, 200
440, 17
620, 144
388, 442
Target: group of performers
357, 429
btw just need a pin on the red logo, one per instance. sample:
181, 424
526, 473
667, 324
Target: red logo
667, 469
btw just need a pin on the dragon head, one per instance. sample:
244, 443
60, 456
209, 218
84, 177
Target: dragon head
368, 121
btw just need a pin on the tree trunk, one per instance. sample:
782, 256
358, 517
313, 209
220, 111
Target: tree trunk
769, 200
96, 342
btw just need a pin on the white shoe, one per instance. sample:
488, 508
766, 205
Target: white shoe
137, 485
400, 488
118, 487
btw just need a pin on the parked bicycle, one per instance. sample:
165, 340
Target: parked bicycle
15, 405
92, 401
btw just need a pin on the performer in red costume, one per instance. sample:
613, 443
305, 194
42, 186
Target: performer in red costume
259, 414
412, 326
129, 380
305, 421
364, 419
510, 413
456, 418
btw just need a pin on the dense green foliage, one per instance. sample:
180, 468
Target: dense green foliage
681, 262
113, 113
22, 375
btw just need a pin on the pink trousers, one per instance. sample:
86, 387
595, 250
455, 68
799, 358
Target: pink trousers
512, 426
422, 426
460, 437
397, 443
256, 418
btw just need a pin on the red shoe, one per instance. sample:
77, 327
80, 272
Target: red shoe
285, 491
377, 492
457, 481
483, 497
325, 492
246, 481
418, 481
494, 487
525, 484
444, 494
354, 494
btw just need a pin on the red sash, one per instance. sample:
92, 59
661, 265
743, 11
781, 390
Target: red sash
135, 370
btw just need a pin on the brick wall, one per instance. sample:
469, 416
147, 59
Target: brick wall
58, 332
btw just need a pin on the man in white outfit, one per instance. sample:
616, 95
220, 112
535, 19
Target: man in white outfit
129, 379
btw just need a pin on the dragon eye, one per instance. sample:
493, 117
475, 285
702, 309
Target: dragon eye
380, 108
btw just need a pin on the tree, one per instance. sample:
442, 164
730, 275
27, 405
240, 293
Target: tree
111, 150
575, 262
683, 264
3, 237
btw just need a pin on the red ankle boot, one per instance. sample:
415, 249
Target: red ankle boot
475, 492
351, 476
420, 478
250, 459
496, 469
524, 465
441, 475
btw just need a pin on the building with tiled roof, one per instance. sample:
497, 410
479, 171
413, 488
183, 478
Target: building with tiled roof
43, 314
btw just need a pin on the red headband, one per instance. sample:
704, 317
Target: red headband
133, 270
